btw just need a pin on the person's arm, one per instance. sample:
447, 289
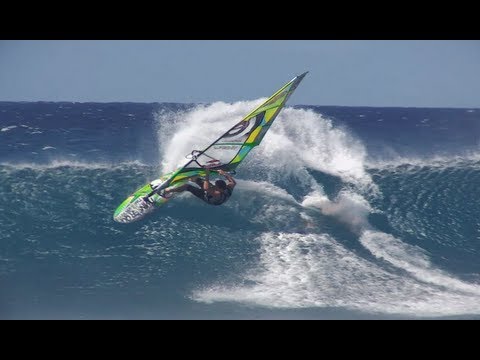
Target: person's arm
231, 181
206, 182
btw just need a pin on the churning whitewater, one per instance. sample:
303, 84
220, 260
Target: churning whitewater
339, 212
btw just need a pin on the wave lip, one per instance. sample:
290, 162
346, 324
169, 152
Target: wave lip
437, 161
297, 140
71, 164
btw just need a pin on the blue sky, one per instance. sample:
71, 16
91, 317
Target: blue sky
350, 73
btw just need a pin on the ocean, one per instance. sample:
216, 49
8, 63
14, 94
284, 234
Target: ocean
340, 213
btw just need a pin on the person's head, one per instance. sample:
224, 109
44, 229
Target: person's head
221, 184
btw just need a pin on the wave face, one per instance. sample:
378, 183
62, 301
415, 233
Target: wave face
339, 213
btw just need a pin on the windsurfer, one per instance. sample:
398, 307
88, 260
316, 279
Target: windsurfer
213, 194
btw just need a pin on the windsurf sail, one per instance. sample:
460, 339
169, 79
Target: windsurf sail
229, 150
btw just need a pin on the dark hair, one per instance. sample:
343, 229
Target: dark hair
221, 184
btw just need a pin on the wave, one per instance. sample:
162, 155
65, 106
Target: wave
314, 270
470, 158
53, 164
300, 225
433, 205
415, 261
298, 139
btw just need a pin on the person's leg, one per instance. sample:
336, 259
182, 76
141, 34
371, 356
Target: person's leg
196, 191
197, 179
178, 189
200, 193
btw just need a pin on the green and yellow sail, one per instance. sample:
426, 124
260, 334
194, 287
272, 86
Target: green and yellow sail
230, 149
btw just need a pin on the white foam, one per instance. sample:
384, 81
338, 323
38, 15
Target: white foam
266, 204
352, 209
304, 138
70, 163
308, 268
298, 270
436, 161
182, 132
412, 259
348, 207
313, 270
298, 139
266, 188
8, 128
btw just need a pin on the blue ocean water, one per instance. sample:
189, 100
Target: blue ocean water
341, 212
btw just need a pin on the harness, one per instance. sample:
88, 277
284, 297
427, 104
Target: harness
218, 201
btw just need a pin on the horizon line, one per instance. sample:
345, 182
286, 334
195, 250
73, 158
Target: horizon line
208, 103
